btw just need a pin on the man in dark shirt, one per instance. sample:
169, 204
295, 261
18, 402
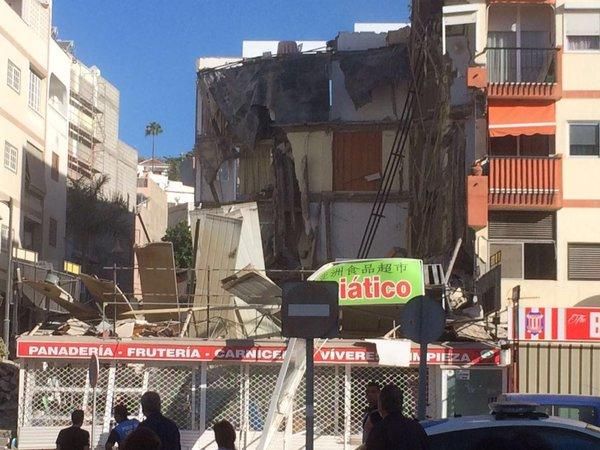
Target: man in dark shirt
395, 431
124, 427
74, 438
164, 428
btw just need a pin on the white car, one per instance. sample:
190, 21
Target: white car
515, 426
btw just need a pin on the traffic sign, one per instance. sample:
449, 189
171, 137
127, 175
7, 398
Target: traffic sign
422, 320
310, 309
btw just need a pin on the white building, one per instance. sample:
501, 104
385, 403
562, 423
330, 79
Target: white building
56, 155
24, 74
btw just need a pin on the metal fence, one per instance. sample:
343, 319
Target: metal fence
522, 65
196, 397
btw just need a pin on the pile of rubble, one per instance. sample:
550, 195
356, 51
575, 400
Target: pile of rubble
9, 394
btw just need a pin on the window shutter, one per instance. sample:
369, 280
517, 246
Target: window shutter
521, 225
584, 261
582, 23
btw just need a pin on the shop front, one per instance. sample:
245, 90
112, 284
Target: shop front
558, 351
203, 381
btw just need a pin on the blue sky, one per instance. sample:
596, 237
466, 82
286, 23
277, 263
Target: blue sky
147, 48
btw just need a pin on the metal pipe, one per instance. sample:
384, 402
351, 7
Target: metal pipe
310, 394
9, 278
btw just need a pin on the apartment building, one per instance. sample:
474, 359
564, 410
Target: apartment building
56, 155
24, 65
94, 144
533, 199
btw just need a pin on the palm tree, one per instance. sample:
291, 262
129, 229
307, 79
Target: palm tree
153, 129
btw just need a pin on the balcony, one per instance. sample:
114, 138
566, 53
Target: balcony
524, 73
532, 183
531, 2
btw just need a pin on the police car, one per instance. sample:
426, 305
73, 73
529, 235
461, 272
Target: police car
512, 425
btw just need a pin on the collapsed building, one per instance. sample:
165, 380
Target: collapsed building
355, 149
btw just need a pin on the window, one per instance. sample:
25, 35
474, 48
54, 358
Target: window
13, 76
35, 83
536, 145
54, 169
582, 30
356, 161
10, 157
4, 239
52, 232
582, 413
523, 243
526, 260
584, 261
583, 139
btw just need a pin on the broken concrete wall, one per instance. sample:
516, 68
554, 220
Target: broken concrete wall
255, 171
337, 220
346, 222
367, 70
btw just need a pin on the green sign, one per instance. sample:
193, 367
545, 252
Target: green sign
387, 281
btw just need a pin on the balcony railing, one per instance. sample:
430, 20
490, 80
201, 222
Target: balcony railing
525, 183
524, 72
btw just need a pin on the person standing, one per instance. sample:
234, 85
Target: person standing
224, 435
165, 428
124, 427
395, 431
371, 415
73, 437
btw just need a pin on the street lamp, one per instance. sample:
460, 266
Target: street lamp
9, 277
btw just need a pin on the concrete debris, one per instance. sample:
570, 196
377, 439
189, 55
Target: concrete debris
366, 70
473, 331
75, 327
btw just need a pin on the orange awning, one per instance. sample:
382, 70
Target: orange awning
523, 118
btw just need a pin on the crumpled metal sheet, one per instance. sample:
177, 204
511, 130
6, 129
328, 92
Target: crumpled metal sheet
366, 70
108, 296
62, 298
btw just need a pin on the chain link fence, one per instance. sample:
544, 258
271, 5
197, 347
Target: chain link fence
196, 397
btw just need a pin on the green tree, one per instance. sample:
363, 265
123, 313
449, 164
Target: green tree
153, 129
91, 216
174, 167
181, 237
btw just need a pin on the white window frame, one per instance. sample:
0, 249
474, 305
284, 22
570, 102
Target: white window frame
4, 238
13, 76
11, 157
580, 8
582, 122
35, 91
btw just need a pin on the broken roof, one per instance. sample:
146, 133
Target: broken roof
246, 100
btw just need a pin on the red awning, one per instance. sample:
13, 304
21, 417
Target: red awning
523, 118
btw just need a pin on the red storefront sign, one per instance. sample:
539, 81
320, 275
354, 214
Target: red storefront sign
559, 324
151, 351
